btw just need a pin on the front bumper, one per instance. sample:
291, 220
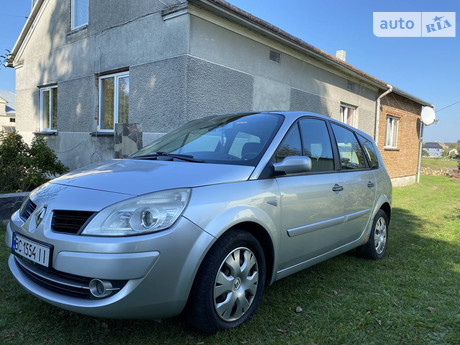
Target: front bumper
157, 270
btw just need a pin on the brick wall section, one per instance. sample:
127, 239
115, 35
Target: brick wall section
403, 161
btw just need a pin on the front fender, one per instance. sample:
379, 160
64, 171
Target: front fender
219, 208
231, 217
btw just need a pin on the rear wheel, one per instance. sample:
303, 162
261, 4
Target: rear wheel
376, 246
229, 283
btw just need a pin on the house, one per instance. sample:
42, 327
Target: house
82, 66
433, 149
7, 111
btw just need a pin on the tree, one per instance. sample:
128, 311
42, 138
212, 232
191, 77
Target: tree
452, 153
4, 58
22, 168
445, 153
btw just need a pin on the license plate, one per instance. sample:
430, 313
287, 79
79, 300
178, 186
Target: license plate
31, 250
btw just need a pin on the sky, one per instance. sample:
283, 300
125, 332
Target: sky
428, 68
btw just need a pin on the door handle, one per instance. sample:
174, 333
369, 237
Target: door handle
370, 184
337, 188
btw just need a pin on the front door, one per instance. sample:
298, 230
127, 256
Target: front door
312, 210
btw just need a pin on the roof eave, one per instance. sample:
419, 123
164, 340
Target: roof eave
25, 30
412, 97
228, 10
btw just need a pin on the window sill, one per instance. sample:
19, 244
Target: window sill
46, 133
77, 29
390, 148
77, 33
102, 134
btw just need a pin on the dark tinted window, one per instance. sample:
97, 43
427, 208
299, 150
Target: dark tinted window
369, 149
351, 155
316, 144
290, 146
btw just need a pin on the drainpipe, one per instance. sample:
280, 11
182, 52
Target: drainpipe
377, 113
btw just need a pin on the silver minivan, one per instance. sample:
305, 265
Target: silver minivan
202, 219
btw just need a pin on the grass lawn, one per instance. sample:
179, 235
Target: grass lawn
438, 163
412, 296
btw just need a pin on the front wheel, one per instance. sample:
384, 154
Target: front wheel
229, 284
376, 246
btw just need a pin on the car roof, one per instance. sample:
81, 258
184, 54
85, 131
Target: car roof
292, 116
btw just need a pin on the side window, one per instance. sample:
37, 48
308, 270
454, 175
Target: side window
113, 100
370, 152
290, 146
48, 108
317, 144
78, 13
351, 155
391, 134
348, 115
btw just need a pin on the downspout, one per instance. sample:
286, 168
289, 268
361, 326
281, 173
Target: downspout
377, 113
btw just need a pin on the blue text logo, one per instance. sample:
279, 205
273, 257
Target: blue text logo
414, 24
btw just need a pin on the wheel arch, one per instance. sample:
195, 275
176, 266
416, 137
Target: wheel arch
385, 207
262, 235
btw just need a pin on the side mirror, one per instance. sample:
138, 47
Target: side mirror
293, 165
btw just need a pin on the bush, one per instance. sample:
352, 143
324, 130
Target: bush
23, 168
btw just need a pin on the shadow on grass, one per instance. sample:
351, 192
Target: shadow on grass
344, 299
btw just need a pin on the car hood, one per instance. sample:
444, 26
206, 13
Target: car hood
136, 177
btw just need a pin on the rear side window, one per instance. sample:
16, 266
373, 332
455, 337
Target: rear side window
351, 155
316, 144
370, 152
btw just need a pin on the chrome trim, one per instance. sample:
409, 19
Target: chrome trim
355, 215
315, 226
325, 223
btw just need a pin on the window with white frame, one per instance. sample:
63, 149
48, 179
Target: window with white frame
113, 100
48, 108
348, 115
78, 13
391, 134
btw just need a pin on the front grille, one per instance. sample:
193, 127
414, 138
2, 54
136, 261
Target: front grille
70, 222
27, 209
62, 283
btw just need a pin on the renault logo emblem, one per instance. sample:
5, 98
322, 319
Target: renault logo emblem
40, 215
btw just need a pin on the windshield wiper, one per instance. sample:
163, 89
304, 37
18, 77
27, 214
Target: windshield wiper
156, 155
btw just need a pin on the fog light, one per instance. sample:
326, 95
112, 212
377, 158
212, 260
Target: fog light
100, 288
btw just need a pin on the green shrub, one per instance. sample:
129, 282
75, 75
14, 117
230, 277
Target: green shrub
24, 167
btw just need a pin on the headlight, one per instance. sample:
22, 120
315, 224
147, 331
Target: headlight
147, 213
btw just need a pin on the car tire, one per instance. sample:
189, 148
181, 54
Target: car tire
229, 283
376, 246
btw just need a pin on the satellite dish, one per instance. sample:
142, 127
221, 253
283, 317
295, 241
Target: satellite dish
428, 116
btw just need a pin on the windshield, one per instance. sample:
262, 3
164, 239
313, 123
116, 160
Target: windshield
239, 139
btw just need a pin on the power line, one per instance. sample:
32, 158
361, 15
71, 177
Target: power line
438, 110
12, 15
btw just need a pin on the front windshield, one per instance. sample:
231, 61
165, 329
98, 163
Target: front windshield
239, 139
